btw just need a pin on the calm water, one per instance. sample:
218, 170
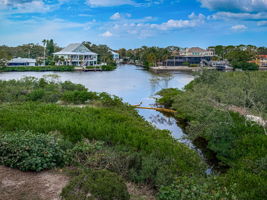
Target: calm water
133, 84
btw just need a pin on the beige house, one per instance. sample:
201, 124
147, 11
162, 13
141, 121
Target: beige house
196, 51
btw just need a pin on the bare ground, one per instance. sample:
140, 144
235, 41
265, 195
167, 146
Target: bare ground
47, 185
17, 185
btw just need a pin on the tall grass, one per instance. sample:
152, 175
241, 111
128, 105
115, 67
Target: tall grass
114, 126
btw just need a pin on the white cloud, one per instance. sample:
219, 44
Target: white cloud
143, 28
107, 3
240, 16
26, 6
116, 16
262, 23
193, 21
235, 5
239, 27
107, 34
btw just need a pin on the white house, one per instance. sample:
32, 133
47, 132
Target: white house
77, 55
116, 56
15, 62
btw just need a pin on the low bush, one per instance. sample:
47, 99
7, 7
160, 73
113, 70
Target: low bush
135, 166
245, 66
116, 126
44, 90
96, 185
167, 96
214, 105
197, 188
108, 67
194, 65
79, 96
29, 151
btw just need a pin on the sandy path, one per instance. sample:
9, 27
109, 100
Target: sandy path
17, 185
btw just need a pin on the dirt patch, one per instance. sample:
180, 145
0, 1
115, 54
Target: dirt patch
140, 192
17, 185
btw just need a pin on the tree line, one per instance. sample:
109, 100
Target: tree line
146, 56
46, 50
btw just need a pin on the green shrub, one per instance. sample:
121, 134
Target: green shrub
197, 188
193, 65
245, 66
78, 96
167, 96
108, 67
115, 125
96, 185
134, 166
29, 151
36, 95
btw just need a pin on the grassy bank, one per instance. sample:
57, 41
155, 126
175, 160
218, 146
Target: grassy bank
37, 68
100, 132
104, 67
214, 107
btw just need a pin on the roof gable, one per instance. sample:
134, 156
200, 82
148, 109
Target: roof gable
76, 47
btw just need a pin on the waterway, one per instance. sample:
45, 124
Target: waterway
131, 83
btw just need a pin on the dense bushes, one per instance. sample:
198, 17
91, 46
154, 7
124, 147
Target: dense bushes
96, 185
197, 188
29, 151
138, 167
208, 105
108, 67
167, 96
112, 125
41, 69
44, 90
131, 146
245, 66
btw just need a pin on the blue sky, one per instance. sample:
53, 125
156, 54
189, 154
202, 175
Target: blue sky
134, 23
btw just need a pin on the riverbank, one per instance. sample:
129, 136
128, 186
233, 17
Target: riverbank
239, 143
175, 68
38, 69
57, 69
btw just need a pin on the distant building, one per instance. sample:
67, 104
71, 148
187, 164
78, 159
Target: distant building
77, 55
116, 56
193, 55
196, 52
15, 62
261, 60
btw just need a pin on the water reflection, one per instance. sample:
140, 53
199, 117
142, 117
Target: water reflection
131, 83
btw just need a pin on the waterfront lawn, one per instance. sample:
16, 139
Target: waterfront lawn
214, 106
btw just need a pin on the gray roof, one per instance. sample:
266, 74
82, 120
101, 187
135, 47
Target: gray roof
113, 52
22, 60
75, 49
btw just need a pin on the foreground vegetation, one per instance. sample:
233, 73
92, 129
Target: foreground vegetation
214, 107
53, 123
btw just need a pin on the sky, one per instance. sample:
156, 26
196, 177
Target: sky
134, 23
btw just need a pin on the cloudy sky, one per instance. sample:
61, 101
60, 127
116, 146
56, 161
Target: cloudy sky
133, 23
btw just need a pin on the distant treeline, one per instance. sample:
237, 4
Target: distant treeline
150, 56
47, 48
145, 56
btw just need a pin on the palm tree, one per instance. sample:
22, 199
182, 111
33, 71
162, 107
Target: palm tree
44, 43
